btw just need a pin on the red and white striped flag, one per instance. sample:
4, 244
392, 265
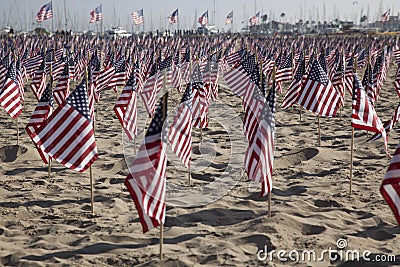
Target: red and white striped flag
39, 116
61, 90
180, 131
390, 187
146, 181
119, 78
45, 12
67, 135
96, 14
397, 81
9, 95
318, 94
260, 153
126, 109
38, 84
363, 115
295, 87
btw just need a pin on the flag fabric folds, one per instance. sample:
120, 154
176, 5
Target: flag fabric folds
229, 18
10, 98
180, 130
67, 135
126, 106
386, 16
39, 116
254, 20
318, 94
96, 14
146, 181
363, 115
390, 187
137, 17
45, 12
203, 20
173, 18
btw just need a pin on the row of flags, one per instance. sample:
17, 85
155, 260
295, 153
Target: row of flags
46, 12
318, 78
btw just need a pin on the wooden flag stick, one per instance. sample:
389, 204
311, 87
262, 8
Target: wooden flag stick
270, 193
161, 240
90, 167
91, 189
190, 176
16, 121
351, 158
164, 114
49, 168
319, 133
300, 112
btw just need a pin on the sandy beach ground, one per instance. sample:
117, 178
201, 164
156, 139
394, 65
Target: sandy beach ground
221, 221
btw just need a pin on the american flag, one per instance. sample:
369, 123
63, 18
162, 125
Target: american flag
119, 78
363, 115
20, 75
234, 77
173, 18
9, 94
45, 12
102, 79
338, 80
348, 75
154, 84
254, 19
388, 125
203, 20
95, 14
146, 181
390, 187
396, 54
126, 108
318, 94
322, 61
386, 16
295, 87
180, 131
61, 90
284, 73
137, 17
38, 84
260, 153
67, 135
397, 81
369, 84
91, 93
229, 18
200, 99
39, 116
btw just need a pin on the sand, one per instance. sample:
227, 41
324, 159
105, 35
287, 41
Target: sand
221, 221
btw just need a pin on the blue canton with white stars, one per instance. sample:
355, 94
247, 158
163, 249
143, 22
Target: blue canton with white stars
156, 125
317, 74
79, 100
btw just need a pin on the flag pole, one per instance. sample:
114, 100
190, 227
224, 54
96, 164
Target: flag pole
270, 193
90, 167
164, 114
319, 132
352, 139
351, 158
16, 121
51, 90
